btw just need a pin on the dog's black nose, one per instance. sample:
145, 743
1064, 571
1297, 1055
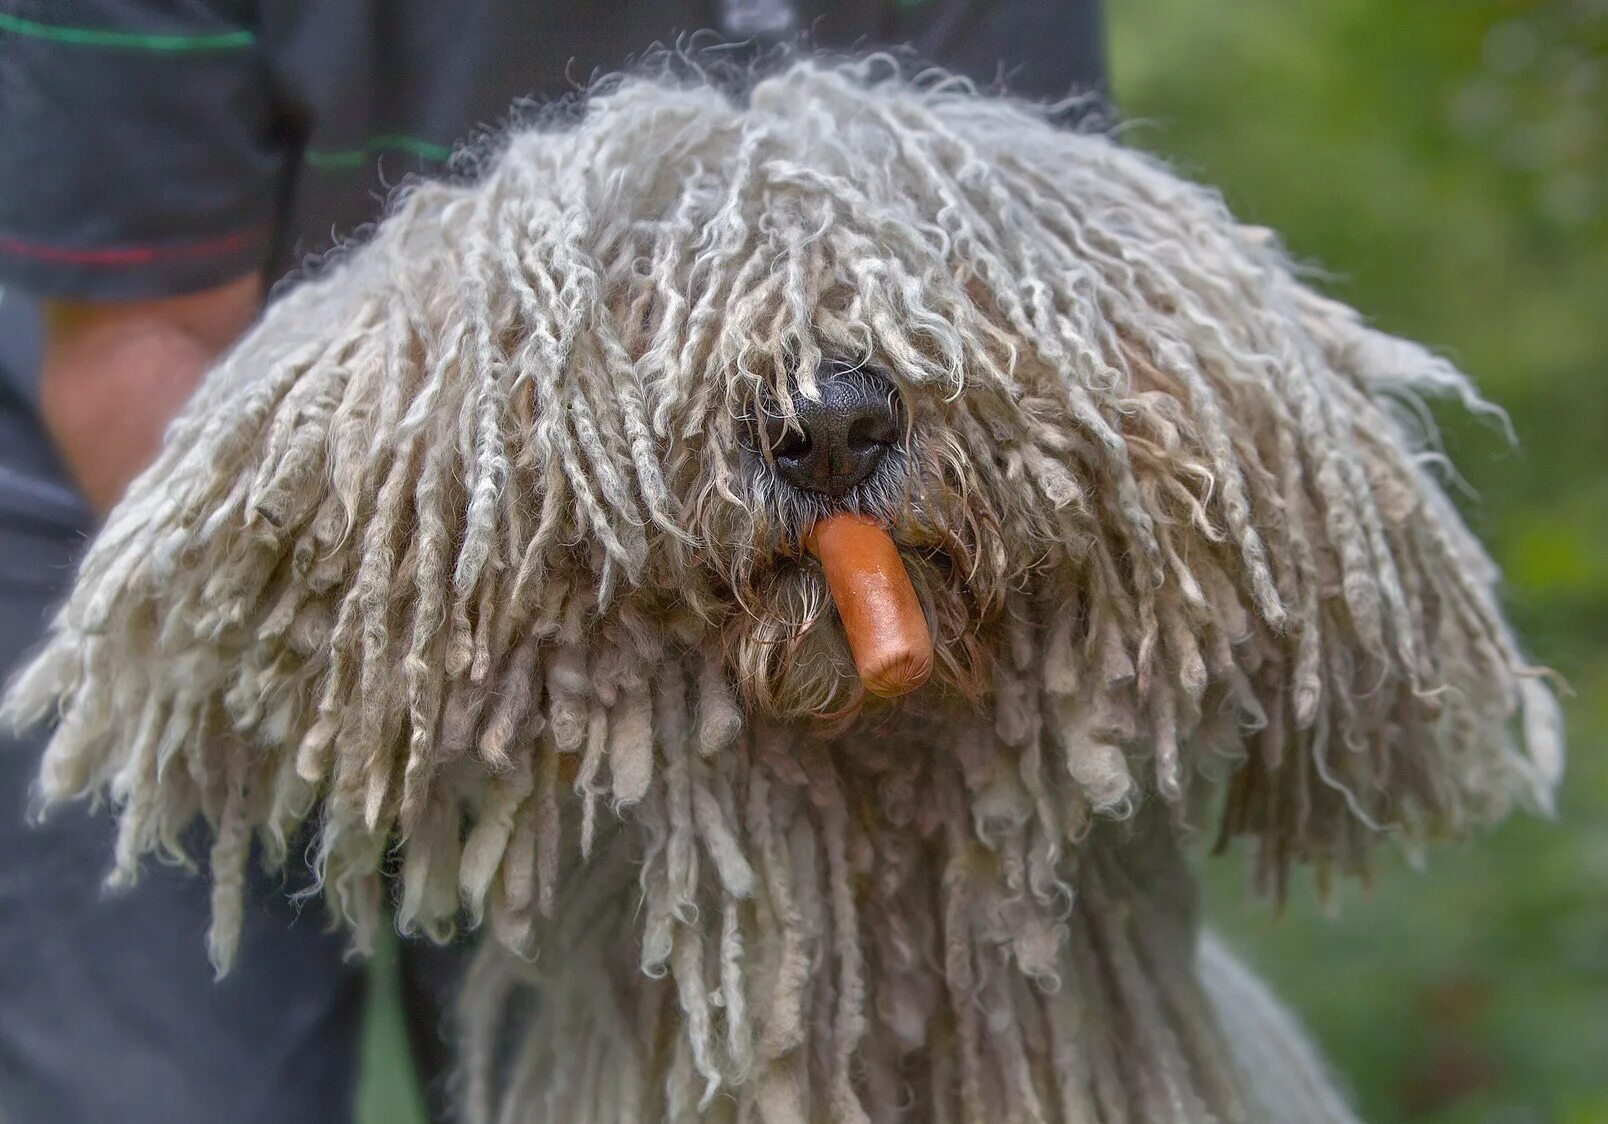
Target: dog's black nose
840, 439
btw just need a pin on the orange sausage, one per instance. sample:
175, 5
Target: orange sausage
882, 618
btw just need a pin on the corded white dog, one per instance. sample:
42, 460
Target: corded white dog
791, 567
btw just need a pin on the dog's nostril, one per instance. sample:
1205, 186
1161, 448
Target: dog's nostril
872, 429
790, 445
841, 438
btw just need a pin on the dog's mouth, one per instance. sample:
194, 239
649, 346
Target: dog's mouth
826, 630
882, 618
861, 608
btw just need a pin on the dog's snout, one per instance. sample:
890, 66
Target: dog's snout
839, 439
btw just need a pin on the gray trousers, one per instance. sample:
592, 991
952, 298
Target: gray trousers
108, 1007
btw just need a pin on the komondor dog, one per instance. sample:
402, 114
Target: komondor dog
795, 567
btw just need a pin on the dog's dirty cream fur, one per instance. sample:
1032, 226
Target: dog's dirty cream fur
463, 556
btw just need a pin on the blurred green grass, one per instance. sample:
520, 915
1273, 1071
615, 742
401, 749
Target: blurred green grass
1446, 164
388, 1093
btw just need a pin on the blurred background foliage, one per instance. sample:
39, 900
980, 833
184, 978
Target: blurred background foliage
1445, 164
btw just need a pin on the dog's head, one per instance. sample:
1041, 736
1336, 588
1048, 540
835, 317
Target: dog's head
513, 502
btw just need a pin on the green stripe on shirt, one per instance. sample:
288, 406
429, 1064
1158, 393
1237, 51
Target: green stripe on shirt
374, 146
126, 40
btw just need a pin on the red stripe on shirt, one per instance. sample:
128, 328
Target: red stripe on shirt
129, 255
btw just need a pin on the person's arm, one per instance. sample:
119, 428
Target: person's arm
115, 373
145, 160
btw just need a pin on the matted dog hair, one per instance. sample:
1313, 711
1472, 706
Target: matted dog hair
463, 555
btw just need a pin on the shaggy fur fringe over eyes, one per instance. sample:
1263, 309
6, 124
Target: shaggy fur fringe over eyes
461, 554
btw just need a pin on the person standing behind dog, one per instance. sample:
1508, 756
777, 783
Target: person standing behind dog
161, 166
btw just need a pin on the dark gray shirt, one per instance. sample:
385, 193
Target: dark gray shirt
149, 149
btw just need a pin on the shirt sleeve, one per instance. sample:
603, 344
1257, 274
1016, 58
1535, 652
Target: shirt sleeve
137, 148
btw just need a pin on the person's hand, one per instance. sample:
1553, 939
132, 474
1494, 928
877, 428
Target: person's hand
115, 373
